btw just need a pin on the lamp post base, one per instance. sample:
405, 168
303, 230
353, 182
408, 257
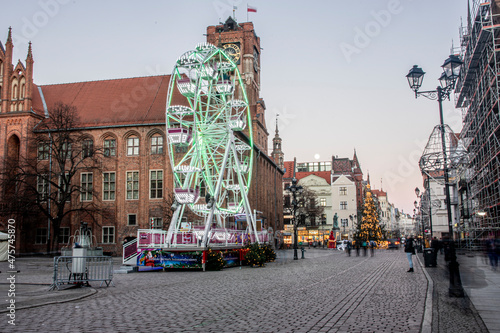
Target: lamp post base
455, 289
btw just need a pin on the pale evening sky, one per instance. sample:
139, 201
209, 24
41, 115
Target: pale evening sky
333, 70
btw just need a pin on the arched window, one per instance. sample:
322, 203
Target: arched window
109, 146
132, 146
22, 85
156, 144
14, 91
87, 148
15, 88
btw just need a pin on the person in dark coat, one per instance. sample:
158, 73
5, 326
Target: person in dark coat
410, 250
435, 245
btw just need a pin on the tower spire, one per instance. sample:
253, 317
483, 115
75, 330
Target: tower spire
277, 132
9, 36
277, 154
30, 53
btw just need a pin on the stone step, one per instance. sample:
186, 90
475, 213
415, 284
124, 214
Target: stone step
125, 270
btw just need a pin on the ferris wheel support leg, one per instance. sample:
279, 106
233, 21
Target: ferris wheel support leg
208, 221
246, 203
174, 226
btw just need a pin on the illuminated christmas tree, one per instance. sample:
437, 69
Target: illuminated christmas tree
369, 228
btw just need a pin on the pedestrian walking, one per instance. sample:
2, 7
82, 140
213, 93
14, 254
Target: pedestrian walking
372, 248
410, 250
435, 245
492, 248
348, 246
364, 248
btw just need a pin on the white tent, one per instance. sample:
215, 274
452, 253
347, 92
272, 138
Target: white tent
4, 246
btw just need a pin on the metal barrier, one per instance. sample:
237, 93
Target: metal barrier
82, 270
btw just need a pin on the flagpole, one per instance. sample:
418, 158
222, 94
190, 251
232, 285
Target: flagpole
247, 13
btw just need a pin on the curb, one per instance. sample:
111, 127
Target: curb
427, 319
71, 299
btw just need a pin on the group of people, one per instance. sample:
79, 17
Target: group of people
361, 245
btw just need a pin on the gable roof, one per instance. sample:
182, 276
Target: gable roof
139, 100
288, 165
324, 175
379, 193
342, 179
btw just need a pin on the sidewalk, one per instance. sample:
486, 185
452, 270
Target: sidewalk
482, 285
478, 311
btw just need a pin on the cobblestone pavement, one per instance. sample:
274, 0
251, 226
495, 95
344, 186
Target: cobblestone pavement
326, 292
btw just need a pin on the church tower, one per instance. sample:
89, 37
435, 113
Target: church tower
358, 179
17, 117
277, 154
242, 44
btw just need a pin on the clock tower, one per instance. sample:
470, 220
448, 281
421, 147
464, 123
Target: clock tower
242, 44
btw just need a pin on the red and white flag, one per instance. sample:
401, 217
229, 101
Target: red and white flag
251, 9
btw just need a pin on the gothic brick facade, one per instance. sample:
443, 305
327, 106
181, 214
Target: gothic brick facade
126, 118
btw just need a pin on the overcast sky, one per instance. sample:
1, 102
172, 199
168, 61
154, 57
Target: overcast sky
333, 70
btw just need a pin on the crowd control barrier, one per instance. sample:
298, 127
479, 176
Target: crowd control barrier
81, 271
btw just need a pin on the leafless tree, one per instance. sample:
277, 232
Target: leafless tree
309, 211
56, 178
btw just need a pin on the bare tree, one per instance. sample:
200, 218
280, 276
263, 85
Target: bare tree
56, 179
309, 211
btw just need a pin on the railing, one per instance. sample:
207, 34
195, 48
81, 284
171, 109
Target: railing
151, 238
82, 270
130, 252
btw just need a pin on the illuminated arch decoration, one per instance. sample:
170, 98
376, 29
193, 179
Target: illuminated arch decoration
434, 161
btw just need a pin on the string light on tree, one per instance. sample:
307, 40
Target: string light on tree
369, 228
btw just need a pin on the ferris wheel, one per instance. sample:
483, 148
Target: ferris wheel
211, 166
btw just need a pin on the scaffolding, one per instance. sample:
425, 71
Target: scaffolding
477, 94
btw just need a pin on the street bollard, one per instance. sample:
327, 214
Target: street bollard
303, 251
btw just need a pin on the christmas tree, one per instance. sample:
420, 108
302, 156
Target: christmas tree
369, 228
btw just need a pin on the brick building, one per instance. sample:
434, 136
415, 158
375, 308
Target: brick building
126, 119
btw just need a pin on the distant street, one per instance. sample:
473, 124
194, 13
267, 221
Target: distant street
326, 292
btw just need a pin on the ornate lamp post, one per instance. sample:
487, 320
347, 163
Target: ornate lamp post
352, 218
451, 71
294, 189
418, 208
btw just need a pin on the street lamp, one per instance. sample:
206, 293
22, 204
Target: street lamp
451, 71
418, 207
352, 218
294, 189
